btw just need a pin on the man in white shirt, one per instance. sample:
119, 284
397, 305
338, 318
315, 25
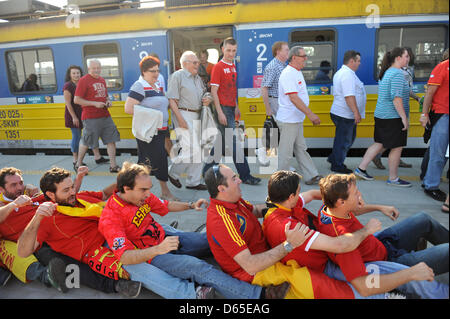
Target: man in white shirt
293, 101
347, 110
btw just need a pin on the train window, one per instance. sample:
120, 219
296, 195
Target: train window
319, 46
427, 43
31, 71
109, 57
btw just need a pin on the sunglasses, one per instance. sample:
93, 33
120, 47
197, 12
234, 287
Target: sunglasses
216, 171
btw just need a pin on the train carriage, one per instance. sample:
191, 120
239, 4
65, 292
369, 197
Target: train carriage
120, 38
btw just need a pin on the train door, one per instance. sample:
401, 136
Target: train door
203, 41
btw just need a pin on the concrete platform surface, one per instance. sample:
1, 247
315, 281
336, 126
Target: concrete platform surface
408, 200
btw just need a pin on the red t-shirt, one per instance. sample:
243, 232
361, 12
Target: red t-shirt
12, 227
273, 227
224, 76
92, 89
351, 263
126, 226
232, 228
439, 77
75, 237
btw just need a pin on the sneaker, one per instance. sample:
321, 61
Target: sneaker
314, 180
5, 275
405, 165
277, 292
128, 288
262, 158
394, 295
435, 194
174, 224
378, 164
342, 170
204, 292
200, 229
102, 160
398, 182
363, 174
252, 180
56, 274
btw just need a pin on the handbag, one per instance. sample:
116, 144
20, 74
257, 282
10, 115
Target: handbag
269, 128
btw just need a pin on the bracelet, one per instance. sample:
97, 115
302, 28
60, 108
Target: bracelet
423, 114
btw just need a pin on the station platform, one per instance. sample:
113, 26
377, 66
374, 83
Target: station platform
407, 200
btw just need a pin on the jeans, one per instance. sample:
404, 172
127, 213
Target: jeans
172, 275
76, 136
405, 235
88, 277
423, 289
438, 148
345, 135
227, 132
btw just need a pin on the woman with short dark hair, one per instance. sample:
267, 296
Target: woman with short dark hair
146, 93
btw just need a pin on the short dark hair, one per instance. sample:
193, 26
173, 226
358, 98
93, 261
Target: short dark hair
148, 62
351, 54
128, 173
213, 178
8, 171
69, 69
229, 40
52, 177
334, 187
281, 185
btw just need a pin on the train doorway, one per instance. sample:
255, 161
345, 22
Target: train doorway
197, 40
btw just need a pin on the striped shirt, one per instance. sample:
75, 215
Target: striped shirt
151, 98
392, 85
272, 73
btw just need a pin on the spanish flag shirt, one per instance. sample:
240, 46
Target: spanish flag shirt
12, 227
351, 263
127, 226
76, 237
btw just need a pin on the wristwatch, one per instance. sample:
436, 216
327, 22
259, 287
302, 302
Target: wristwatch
287, 246
191, 205
424, 114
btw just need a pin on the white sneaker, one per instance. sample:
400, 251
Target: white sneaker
262, 159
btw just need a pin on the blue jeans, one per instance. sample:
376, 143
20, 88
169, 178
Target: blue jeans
423, 289
344, 137
401, 241
227, 134
76, 136
438, 148
173, 275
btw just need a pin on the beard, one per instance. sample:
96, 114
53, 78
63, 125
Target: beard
70, 201
13, 196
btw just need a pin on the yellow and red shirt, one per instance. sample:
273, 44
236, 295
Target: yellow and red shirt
274, 223
351, 263
12, 227
232, 228
76, 237
127, 226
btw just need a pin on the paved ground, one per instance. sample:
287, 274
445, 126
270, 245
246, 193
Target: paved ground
408, 201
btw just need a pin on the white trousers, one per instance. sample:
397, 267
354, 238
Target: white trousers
292, 141
189, 158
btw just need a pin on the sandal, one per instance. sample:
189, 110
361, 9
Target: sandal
443, 209
114, 169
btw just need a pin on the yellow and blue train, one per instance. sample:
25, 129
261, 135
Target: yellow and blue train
120, 38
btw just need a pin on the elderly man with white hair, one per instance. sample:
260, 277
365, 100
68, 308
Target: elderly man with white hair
185, 93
